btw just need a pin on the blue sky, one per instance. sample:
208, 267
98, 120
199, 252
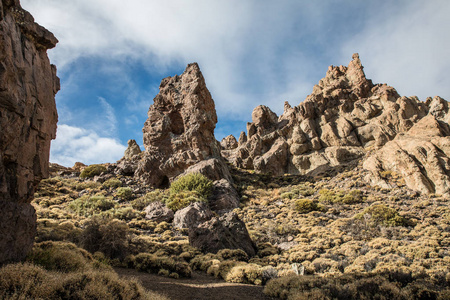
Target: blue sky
113, 54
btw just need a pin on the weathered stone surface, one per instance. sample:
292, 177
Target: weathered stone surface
28, 84
192, 215
229, 142
420, 156
179, 131
213, 168
158, 212
132, 150
226, 232
224, 197
345, 117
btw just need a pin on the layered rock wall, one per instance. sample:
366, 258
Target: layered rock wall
28, 84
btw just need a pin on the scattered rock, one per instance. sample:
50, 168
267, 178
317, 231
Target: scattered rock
28, 84
226, 232
158, 212
192, 215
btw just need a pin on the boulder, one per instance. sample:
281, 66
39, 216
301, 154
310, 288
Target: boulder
192, 215
225, 232
28, 117
158, 212
179, 131
213, 168
224, 197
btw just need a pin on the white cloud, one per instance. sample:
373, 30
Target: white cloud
407, 48
74, 144
110, 126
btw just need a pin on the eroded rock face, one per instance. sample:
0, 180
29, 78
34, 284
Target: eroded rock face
192, 215
226, 232
179, 131
229, 142
344, 118
28, 117
158, 212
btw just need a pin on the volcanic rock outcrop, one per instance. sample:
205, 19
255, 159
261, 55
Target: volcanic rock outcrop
344, 120
28, 117
179, 131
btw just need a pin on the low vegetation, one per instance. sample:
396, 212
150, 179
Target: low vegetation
343, 237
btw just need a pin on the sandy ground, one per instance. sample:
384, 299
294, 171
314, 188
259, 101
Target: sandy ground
199, 287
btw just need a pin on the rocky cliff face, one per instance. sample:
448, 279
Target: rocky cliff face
28, 117
179, 131
345, 120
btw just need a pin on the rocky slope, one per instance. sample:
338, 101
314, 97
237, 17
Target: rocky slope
347, 119
28, 117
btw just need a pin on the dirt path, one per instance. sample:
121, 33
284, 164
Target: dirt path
199, 287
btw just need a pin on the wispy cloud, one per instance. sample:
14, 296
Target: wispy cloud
77, 144
407, 47
109, 127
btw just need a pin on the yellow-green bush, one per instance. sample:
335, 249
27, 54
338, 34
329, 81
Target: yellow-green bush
329, 196
112, 183
383, 215
192, 182
246, 273
305, 206
88, 205
124, 193
153, 264
92, 170
182, 199
143, 202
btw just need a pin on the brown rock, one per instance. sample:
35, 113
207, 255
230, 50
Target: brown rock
192, 215
226, 232
213, 168
158, 212
28, 84
345, 117
132, 150
224, 197
179, 131
229, 143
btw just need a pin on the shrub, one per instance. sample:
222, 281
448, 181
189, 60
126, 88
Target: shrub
381, 214
124, 193
86, 205
26, 281
305, 206
192, 182
329, 196
153, 264
143, 202
105, 235
245, 273
182, 199
60, 256
112, 183
88, 185
234, 254
92, 170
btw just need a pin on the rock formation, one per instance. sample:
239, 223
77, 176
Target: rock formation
345, 118
128, 164
229, 142
179, 131
28, 84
